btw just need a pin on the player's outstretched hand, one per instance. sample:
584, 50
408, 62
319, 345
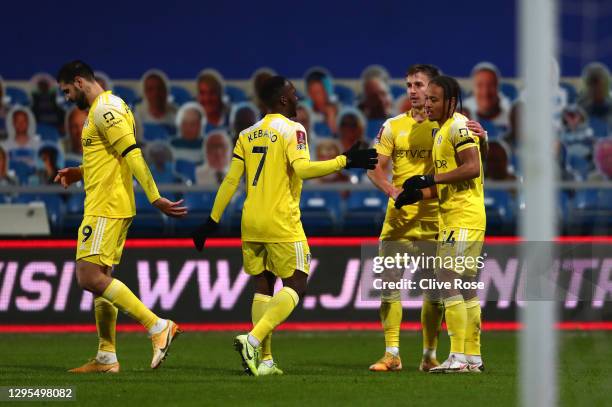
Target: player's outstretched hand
356, 158
408, 197
419, 182
172, 209
67, 176
202, 233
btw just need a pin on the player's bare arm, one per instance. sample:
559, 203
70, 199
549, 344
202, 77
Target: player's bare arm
380, 177
68, 176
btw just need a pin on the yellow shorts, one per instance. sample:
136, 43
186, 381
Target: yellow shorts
398, 229
282, 259
459, 250
101, 239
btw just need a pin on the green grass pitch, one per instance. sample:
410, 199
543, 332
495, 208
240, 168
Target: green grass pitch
321, 369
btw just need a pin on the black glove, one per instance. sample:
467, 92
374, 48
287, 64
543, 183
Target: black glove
407, 197
202, 233
419, 182
356, 158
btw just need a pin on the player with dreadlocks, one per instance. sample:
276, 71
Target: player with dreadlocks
458, 184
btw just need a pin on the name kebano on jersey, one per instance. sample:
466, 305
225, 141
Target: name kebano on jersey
262, 133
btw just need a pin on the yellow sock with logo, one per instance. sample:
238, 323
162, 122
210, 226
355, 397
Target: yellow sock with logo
106, 322
456, 318
279, 308
472, 331
431, 319
391, 318
125, 300
260, 304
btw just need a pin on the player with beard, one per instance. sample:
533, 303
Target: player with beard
111, 158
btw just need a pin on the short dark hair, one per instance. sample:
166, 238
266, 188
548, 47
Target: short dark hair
271, 90
69, 71
451, 89
430, 70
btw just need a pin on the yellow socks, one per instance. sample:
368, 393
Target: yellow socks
278, 309
260, 304
106, 321
472, 331
431, 319
456, 317
391, 318
123, 298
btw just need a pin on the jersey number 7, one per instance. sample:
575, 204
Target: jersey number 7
259, 150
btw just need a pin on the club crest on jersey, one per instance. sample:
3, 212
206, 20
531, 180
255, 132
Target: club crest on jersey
301, 139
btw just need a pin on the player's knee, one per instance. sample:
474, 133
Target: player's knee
297, 282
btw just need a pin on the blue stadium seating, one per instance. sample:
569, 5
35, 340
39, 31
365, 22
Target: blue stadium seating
600, 127
500, 207
321, 129
493, 132
373, 127
572, 94
72, 163
320, 210
234, 211
186, 169
235, 94
73, 213
47, 132
199, 205
510, 90
398, 91
365, 211
128, 95
22, 170
180, 95
345, 95
17, 96
153, 132
591, 209
149, 219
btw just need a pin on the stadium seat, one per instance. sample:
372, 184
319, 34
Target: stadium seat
493, 132
591, 210
72, 163
235, 94
510, 90
572, 94
397, 91
153, 132
600, 127
186, 169
47, 132
345, 95
365, 211
17, 96
373, 127
199, 205
148, 218
22, 170
180, 95
500, 207
128, 95
53, 205
580, 165
74, 213
321, 129
320, 210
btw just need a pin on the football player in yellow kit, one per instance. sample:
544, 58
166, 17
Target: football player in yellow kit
406, 142
273, 156
457, 182
111, 158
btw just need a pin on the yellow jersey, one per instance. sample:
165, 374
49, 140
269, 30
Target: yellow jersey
409, 144
271, 211
462, 204
109, 190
